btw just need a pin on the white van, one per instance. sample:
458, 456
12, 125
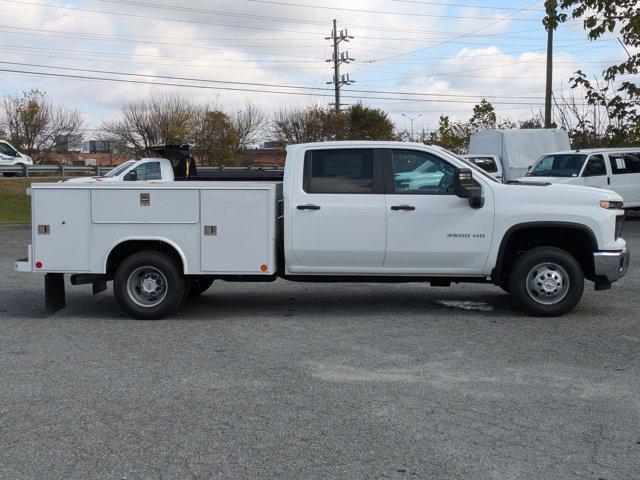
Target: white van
9, 156
616, 169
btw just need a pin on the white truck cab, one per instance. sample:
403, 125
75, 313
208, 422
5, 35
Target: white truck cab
344, 211
11, 156
145, 169
615, 169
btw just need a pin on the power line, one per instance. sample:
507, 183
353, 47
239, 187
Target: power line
464, 5
293, 4
256, 84
456, 38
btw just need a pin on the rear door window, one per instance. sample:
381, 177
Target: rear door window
624, 163
340, 171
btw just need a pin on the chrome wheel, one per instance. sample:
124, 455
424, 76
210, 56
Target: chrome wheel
147, 286
547, 283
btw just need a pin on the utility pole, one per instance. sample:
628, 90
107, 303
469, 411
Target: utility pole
338, 59
411, 119
549, 89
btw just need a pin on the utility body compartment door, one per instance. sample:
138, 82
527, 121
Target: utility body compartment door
237, 231
62, 229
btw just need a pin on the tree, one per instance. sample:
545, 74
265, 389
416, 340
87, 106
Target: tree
532, 123
453, 136
215, 138
484, 116
622, 102
248, 125
308, 124
157, 120
366, 123
33, 124
318, 124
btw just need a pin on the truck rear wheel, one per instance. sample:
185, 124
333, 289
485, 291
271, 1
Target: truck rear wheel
546, 282
149, 285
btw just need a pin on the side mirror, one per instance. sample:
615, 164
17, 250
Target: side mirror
131, 176
465, 187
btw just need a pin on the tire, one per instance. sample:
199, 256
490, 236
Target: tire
149, 285
546, 282
9, 174
505, 287
198, 285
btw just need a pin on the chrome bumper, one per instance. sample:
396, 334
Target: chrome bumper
611, 266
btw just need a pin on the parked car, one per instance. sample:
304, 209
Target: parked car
508, 154
10, 156
134, 170
340, 214
616, 169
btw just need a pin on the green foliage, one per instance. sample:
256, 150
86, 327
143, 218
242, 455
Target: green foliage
622, 103
454, 135
215, 138
366, 123
484, 116
319, 124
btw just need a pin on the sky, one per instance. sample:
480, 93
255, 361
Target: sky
420, 58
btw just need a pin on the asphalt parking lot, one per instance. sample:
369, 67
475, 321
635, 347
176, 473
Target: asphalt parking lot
341, 381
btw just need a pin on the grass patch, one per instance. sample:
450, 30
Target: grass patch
15, 204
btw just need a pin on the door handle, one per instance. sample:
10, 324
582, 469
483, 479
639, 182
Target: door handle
608, 180
308, 207
403, 207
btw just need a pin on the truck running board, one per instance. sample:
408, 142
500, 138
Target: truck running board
54, 295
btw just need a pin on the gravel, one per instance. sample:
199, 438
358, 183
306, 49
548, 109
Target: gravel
289, 380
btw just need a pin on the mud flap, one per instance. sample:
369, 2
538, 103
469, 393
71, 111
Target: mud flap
54, 295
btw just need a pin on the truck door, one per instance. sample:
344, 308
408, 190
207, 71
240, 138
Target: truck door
429, 229
337, 213
626, 176
595, 172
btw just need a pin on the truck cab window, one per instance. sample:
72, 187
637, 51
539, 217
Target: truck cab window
7, 150
595, 167
148, 171
488, 164
421, 172
339, 171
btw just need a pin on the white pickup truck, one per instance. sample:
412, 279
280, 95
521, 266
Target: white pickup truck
344, 211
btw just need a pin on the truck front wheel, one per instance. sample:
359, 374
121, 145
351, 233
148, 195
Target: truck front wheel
546, 282
149, 285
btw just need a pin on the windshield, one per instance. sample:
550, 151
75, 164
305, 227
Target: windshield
558, 165
475, 168
118, 170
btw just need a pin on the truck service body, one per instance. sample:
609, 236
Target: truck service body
344, 211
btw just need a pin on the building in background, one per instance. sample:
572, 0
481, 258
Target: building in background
69, 143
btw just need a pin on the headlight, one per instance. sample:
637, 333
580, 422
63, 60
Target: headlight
611, 205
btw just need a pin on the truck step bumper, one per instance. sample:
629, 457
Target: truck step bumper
24, 264
611, 266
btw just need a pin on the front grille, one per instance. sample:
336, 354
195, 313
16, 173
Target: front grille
619, 223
